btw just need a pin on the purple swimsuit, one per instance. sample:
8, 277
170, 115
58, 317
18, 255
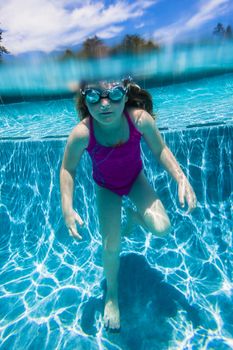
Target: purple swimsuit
116, 168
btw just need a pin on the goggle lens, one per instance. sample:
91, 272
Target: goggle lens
92, 96
115, 94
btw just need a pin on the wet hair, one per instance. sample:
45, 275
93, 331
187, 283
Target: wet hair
137, 97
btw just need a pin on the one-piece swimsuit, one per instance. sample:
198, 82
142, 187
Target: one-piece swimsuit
116, 168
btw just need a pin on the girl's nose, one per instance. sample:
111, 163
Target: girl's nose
104, 102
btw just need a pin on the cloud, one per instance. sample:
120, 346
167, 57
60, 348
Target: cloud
48, 25
140, 25
207, 10
109, 32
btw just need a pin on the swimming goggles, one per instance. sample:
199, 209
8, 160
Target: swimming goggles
94, 95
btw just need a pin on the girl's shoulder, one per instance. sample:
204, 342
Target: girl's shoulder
141, 119
81, 132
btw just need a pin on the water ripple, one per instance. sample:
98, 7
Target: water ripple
50, 285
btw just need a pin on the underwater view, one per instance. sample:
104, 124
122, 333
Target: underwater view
174, 292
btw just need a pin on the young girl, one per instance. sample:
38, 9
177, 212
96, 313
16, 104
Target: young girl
114, 118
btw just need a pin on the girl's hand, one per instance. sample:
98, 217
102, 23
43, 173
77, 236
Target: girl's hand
71, 218
185, 192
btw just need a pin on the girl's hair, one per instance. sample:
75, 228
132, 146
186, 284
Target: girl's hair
137, 97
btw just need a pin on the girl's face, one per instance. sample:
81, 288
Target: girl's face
106, 111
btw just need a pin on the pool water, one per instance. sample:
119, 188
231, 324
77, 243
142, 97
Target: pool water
175, 293
204, 101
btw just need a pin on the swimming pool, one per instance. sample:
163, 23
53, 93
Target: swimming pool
175, 293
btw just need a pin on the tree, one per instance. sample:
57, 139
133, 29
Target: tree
93, 47
150, 45
219, 30
2, 48
68, 54
228, 32
134, 44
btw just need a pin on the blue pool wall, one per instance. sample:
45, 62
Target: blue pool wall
33, 234
30, 179
31, 168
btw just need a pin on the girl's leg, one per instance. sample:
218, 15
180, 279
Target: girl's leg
109, 212
150, 210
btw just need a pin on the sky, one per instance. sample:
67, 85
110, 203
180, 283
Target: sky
55, 25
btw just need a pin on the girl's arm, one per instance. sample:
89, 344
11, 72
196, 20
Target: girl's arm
77, 142
166, 158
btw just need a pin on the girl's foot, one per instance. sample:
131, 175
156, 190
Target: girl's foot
111, 315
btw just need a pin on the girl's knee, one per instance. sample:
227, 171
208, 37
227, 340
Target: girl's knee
164, 229
158, 223
161, 229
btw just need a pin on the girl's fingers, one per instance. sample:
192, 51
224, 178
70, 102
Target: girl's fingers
73, 232
192, 201
78, 219
181, 199
185, 192
71, 221
181, 193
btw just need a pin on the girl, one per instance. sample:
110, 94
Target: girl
114, 117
